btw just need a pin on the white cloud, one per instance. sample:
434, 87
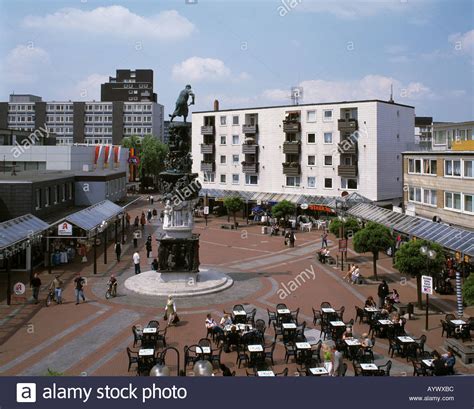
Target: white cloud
205, 69
368, 87
88, 88
352, 9
116, 21
463, 43
24, 64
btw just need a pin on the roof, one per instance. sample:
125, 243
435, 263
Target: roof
21, 228
294, 107
452, 238
37, 176
91, 217
438, 152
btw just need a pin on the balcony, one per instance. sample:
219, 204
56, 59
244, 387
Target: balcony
347, 146
207, 148
292, 148
207, 130
250, 167
291, 126
347, 125
347, 171
249, 129
249, 149
291, 168
208, 166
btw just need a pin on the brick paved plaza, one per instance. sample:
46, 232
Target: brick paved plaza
91, 338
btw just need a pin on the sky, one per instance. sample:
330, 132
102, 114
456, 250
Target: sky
246, 53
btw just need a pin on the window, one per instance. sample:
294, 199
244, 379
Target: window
235, 139
235, 159
348, 184
328, 183
293, 181
468, 205
429, 197
311, 138
235, 120
223, 120
440, 137
47, 197
468, 168
311, 116
327, 115
311, 160
417, 165
223, 179
327, 137
311, 182
328, 160
223, 159
411, 165
223, 140
429, 166
251, 179
452, 201
38, 198
209, 177
452, 168
235, 178
56, 194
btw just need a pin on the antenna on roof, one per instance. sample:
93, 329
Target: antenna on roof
391, 94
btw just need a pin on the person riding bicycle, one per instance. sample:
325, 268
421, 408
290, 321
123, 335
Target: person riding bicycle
112, 283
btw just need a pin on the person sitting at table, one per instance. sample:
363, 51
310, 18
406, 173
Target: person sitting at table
394, 297
232, 338
154, 265
438, 364
449, 361
225, 370
370, 302
226, 320
324, 255
366, 342
338, 359
355, 275
347, 333
210, 322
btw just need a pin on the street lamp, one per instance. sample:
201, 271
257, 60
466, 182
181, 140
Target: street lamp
160, 369
203, 368
103, 227
341, 207
431, 254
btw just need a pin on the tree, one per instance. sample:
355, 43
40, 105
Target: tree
233, 205
351, 226
283, 209
372, 239
468, 290
152, 156
409, 260
133, 141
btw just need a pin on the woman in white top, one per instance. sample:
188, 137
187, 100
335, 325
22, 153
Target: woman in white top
225, 320
170, 310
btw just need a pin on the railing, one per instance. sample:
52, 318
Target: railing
207, 130
250, 149
347, 125
207, 148
291, 126
291, 168
250, 167
347, 171
249, 129
292, 147
208, 166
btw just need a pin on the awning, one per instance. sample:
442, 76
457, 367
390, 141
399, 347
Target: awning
21, 228
90, 218
450, 237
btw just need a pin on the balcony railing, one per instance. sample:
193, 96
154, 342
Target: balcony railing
207, 148
249, 129
208, 166
249, 149
207, 130
291, 126
291, 169
347, 171
250, 167
347, 125
347, 146
293, 148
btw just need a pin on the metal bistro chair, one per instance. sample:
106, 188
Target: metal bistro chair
132, 358
272, 316
137, 335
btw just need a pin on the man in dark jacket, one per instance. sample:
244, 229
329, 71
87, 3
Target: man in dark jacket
35, 285
382, 292
79, 288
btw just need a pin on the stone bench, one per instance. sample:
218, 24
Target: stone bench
465, 350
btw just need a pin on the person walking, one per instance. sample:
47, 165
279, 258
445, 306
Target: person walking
127, 220
118, 250
57, 286
136, 262
148, 246
152, 199
292, 238
136, 236
143, 220
136, 222
382, 292
324, 240
170, 311
148, 216
35, 284
79, 288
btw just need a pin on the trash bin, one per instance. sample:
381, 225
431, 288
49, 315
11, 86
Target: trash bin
264, 230
410, 309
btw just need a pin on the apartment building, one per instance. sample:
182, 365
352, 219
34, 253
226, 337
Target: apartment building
439, 184
323, 149
129, 85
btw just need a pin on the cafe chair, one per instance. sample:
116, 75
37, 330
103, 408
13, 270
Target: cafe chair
137, 335
205, 342
161, 336
384, 370
241, 355
290, 350
394, 347
340, 313
268, 352
418, 368
190, 355
344, 369
294, 315
216, 356
278, 331
271, 317
132, 358
316, 316
282, 373
153, 324
361, 315
250, 319
325, 304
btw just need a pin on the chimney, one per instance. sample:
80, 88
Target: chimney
216, 105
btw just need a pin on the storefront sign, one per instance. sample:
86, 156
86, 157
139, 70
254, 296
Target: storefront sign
65, 229
304, 206
206, 210
320, 208
19, 289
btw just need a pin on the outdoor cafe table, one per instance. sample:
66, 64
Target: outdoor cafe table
371, 309
289, 330
256, 351
385, 322
352, 344
368, 369
405, 341
458, 322
146, 352
328, 310
265, 373
146, 360
203, 350
337, 324
149, 330
428, 362
240, 327
318, 371
303, 351
240, 316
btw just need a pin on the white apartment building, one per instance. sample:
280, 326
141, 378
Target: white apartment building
323, 149
83, 122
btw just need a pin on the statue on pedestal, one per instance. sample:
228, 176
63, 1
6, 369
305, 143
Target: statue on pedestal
181, 108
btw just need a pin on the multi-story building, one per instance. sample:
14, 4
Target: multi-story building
439, 184
323, 149
423, 131
129, 85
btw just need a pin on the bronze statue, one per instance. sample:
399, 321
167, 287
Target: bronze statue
181, 108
